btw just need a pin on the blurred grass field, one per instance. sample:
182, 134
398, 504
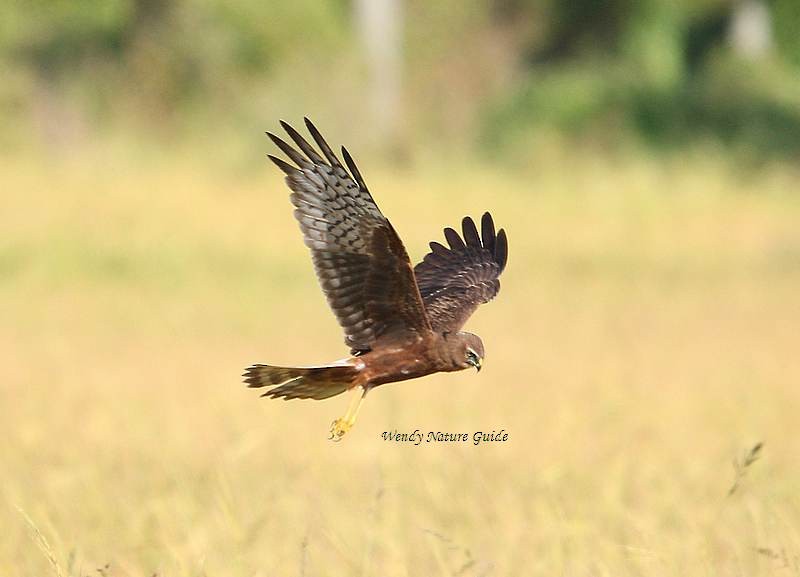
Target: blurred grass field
645, 336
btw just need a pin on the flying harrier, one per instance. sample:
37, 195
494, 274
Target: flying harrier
399, 322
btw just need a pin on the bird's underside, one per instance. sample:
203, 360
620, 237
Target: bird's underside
399, 322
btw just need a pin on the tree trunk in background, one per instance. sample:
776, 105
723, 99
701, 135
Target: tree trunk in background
380, 28
751, 29
60, 124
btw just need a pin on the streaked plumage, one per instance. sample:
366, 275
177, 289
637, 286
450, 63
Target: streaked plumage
399, 322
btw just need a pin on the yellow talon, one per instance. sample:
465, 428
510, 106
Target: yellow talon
340, 426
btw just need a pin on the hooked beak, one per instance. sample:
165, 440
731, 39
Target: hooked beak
476, 364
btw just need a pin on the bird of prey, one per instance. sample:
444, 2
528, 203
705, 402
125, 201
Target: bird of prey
399, 322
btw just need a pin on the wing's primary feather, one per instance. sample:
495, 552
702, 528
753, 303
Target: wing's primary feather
360, 261
454, 281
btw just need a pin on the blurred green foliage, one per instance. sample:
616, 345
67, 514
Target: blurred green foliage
664, 73
500, 76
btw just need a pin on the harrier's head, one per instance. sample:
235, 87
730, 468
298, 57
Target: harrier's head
466, 351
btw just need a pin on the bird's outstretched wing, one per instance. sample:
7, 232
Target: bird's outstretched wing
360, 261
454, 281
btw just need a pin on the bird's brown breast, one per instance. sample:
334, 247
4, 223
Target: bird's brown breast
402, 361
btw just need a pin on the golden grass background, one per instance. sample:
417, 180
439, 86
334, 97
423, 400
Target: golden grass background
646, 335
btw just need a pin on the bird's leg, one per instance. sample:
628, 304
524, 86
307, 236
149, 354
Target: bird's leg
340, 426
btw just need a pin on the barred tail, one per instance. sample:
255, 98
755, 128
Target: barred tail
301, 383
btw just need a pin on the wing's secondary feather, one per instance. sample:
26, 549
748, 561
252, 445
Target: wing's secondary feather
454, 281
360, 261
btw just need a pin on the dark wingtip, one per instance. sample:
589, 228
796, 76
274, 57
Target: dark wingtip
501, 249
348, 160
323, 145
470, 232
302, 143
351, 165
453, 239
287, 149
282, 164
288, 128
487, 232
437, 247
